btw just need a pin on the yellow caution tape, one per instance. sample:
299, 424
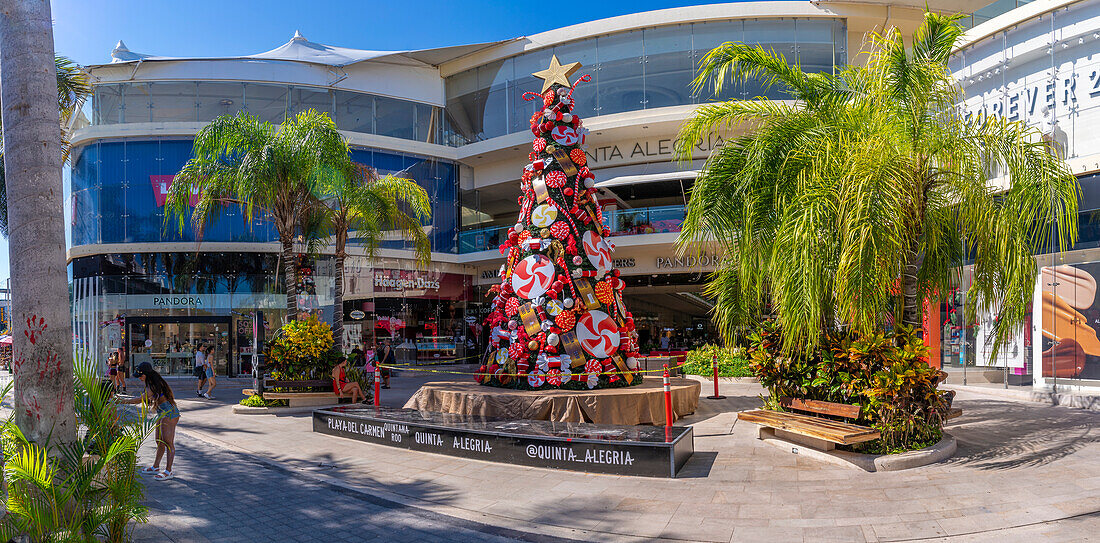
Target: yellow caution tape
478, 373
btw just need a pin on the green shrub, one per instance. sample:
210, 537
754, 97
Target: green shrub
256, 401
732, 362
886, 374
302, 350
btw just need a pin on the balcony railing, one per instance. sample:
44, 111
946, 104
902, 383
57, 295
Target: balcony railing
623, 222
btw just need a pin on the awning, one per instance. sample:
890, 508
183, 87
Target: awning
5, 340
646, 178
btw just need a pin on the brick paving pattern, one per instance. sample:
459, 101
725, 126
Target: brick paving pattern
219, 495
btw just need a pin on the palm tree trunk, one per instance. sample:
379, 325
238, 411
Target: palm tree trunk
42, 331
338, 301
290, 268
911, 303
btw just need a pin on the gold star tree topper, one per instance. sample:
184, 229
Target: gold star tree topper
557, 73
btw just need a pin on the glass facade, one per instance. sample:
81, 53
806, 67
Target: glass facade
202, 101
118, 189
639, 69
621, 222
159, 307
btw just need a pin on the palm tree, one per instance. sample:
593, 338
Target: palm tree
72, 89
43, 336
273, 171
363, 203
867, 193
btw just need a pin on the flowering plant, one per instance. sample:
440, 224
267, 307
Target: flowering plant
302, 348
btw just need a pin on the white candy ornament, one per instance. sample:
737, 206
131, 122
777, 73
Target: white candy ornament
632, 363
568, 303
593, 379
577, 260
518, 227
552, 339
589, 182
533, 276
598, 334
537, 379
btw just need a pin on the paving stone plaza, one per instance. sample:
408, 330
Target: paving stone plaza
1024, 471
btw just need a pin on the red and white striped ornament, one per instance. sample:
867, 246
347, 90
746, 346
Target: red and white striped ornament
598, 334
533, 276
556, 179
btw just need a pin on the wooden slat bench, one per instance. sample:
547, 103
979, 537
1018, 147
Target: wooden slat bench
812, 431
303, 398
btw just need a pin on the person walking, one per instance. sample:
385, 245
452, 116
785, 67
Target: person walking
200, 370
211, 380
158, 393
385, 358
341, 385
114, 372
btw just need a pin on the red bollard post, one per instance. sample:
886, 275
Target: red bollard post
668, 399
714, 365
377, 386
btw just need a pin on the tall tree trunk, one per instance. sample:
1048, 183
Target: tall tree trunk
290, 266
338, 301
911, 303
41, 328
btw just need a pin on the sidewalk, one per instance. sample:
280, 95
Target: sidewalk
1022, 469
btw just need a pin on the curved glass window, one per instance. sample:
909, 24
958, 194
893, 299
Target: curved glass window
201, 101
638, 69
119, 189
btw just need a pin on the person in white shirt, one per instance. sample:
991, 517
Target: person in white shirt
200, 370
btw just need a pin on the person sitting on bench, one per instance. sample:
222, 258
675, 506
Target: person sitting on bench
341, 385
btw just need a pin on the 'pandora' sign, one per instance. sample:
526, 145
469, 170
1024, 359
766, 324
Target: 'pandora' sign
178, 301
690, 262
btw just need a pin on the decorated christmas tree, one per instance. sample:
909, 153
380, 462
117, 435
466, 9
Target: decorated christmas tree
558, 318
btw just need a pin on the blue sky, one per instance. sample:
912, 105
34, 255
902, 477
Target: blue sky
87, 30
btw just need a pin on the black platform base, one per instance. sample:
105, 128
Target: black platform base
651, 451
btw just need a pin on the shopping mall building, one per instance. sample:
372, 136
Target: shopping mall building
454, 119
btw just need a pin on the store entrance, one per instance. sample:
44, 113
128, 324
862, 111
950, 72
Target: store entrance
169, 343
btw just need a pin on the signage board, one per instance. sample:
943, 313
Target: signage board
649, 451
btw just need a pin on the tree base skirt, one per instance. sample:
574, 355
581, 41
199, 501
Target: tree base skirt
642, 404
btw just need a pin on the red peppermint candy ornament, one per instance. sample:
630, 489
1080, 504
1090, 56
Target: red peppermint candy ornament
511, 307
539, 145
598, 334
592, 366
533, 276
553, 377
564, 135
578, 157
556, 179
559, 230
517, 351
548, 98
596, 251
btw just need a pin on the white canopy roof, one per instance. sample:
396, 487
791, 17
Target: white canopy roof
299, 49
